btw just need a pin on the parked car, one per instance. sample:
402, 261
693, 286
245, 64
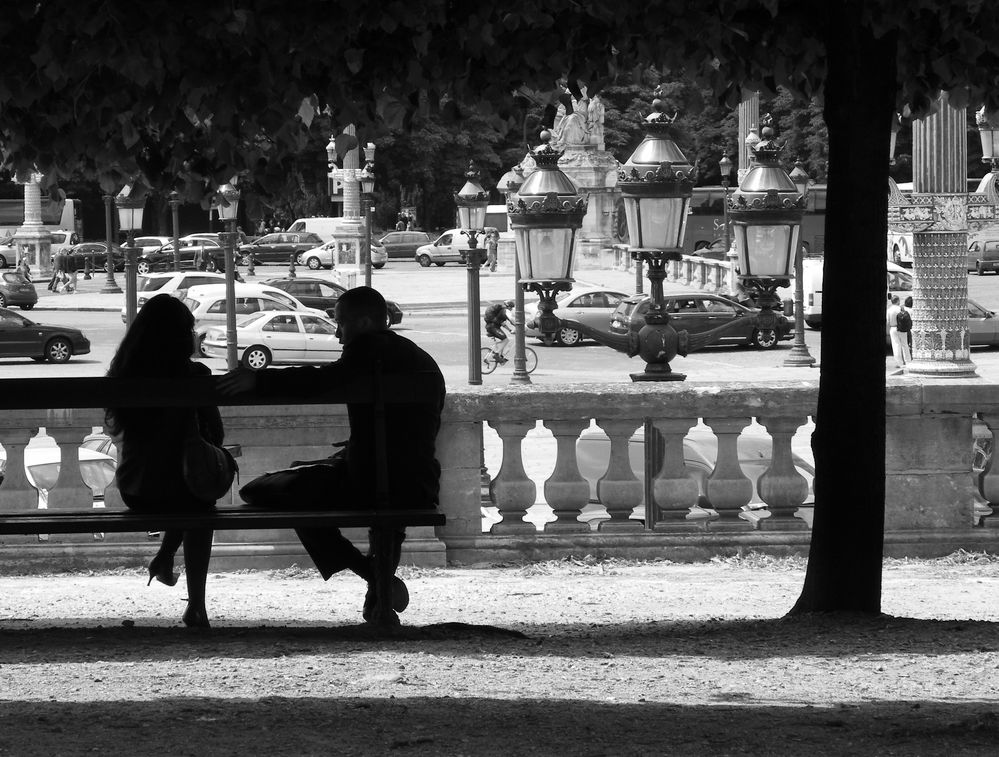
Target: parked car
61, 239
174, 283
403, 244
591, 306
20, 337
700, 454
17, 290
150, 244
325, 255
208, 304
322, 294
983, 255
278, 247
97, 254
696, 312
449, 247
277, 337
196, 253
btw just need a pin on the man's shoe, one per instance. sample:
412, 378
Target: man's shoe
400, 598
500, 359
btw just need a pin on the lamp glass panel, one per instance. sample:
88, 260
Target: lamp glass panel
659, 221
768, 249
544, 254
477, 217
130, 219
988, 143
228, 212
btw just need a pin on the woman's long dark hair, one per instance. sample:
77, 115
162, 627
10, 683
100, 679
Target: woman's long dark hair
158, 344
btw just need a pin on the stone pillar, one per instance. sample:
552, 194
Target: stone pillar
940, 340
32, 238
349, 229
749, 119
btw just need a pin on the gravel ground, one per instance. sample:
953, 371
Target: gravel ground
578, 657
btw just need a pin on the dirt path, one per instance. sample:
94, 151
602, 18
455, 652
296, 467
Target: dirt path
570, 658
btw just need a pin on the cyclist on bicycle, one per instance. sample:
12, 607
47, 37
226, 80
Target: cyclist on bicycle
499, 325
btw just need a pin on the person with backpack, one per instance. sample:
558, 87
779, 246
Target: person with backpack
498, 326
899, 323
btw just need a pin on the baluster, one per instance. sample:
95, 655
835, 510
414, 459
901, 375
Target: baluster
70, 490
619, 490
782, 486
512, 491
566, 491
675, 487
702, 275
728, 488
17, 493
988, 479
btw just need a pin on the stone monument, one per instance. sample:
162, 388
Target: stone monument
33, 239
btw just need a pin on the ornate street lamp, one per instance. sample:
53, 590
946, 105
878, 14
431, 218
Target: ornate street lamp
366, 178
656, 184
130, 203
227, 198
471, 201
988, 132
766, 212
110, 285
545, 217
799, 356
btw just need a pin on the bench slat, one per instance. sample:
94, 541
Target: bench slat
118, 521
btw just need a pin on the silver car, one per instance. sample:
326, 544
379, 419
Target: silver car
590, 306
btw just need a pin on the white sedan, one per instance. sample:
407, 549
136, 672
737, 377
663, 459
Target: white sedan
324, 256
281, 336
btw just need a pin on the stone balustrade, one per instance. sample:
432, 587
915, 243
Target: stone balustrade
934, 503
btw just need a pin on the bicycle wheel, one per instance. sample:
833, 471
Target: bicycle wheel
531, 360
488, 361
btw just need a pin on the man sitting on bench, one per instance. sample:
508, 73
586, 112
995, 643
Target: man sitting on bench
347, 480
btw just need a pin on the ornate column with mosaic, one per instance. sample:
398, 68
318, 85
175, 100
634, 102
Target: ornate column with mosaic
938, 212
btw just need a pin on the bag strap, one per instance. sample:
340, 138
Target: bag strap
381, 453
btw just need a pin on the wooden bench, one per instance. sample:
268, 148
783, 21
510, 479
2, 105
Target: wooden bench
71, 393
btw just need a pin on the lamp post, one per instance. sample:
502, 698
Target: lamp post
766, 212
174, 202
656, 184
228, 206
799, 356
471, 201
110, 285
367, 179
130, 205
545, 218
725, 167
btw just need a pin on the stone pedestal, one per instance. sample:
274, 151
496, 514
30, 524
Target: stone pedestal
32, 239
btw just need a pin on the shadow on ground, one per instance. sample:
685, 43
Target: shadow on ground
486, 727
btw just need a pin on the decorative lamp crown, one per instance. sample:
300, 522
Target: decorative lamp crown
471, 200
548, 211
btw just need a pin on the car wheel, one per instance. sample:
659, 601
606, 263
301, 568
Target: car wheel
3, 301
201, 345
143, 267
567, 337
424, 260
439, 262
765, 339
377, 265
256, 357
25, 307
58, 350
313, 264
245, 260
211, 266
3, 261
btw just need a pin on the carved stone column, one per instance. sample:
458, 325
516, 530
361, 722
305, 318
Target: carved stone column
512, 491
728, 488
749, 119
619, 490
675, 486
782, 486
566, 491
939, 216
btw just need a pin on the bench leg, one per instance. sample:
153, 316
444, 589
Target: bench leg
382, 552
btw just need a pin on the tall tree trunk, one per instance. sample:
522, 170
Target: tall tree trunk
844, 561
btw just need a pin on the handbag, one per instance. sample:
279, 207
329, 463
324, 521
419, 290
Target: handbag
208, 470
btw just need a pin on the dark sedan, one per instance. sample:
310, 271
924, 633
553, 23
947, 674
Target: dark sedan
403, 244
697, 312
196, 253
279, 247
97, 254
17, 290
322, 294
20, 337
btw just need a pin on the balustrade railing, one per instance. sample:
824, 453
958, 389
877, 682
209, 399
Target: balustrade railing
614, 468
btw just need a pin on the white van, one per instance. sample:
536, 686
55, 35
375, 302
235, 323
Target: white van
898, 280
324, 226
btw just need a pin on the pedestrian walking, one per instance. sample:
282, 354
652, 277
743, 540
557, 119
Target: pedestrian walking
899, 322
492, 248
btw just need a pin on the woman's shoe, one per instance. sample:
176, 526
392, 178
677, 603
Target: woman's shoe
196, 617
162, 570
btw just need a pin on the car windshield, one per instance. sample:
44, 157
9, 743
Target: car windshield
15, 278
281, 297
151, 284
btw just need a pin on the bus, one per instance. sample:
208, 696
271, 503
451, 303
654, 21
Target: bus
56, 215
706, 222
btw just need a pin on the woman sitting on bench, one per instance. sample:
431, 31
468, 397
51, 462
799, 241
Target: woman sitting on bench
159, 344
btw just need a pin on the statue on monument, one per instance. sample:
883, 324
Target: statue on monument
583, 126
